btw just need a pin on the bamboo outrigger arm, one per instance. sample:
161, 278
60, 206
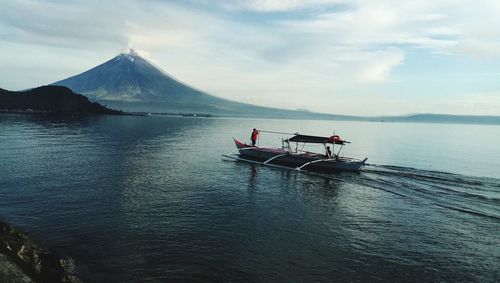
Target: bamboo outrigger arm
274, 157
255, 162
311, 162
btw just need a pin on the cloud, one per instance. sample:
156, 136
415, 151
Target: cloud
378, 66
438, 26
97, 24
61, 24
276, 5
478, 48
381, 23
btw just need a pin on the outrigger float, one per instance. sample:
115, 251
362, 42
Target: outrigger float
292, 155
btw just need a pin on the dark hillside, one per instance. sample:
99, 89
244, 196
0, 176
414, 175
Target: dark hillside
54, 99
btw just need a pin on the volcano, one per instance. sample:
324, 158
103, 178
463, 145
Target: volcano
130, 82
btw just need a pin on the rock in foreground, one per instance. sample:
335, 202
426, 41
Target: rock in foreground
40, 264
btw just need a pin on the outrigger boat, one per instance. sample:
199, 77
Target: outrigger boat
292, 154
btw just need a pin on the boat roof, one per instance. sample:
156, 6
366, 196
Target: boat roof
314, 139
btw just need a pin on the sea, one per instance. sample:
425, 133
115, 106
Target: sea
151, 199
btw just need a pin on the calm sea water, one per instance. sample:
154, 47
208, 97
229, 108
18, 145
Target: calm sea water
145, 199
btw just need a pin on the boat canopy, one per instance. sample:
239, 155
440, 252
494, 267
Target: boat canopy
315, 139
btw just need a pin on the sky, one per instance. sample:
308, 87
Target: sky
384, 57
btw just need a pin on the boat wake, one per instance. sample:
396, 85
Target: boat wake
479, 196
474, 195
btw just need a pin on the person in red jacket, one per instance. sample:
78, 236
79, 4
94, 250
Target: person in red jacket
254, 136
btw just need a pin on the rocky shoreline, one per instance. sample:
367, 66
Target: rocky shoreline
24, 260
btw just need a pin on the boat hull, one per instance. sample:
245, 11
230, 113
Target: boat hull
303, 161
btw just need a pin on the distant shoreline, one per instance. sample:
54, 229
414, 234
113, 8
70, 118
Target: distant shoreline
119, 113
479, 120
59, 100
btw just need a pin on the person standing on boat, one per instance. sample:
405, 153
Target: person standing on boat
254, 136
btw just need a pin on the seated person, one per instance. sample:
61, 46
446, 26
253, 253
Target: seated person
328, 152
